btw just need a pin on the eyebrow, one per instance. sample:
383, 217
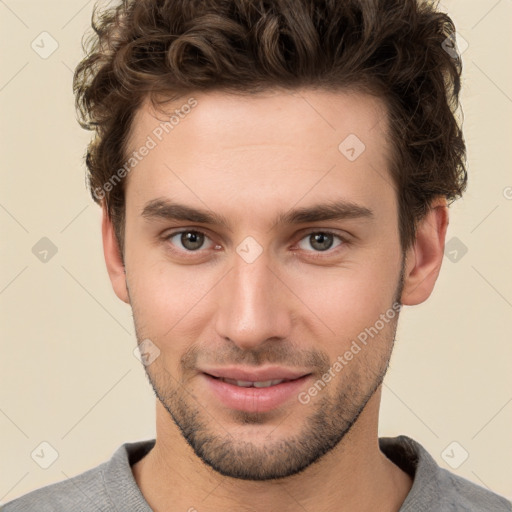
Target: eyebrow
164, 209
333, 210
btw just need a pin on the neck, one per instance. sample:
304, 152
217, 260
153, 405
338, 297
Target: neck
354, 476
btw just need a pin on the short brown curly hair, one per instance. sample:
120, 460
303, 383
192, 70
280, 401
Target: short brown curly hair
398, 50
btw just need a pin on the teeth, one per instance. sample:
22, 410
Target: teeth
267, 383
241, 383
249, 384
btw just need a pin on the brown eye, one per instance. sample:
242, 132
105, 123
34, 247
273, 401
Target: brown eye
188, 240
192, 240
320, 241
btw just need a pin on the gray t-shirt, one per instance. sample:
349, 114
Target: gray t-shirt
111, 486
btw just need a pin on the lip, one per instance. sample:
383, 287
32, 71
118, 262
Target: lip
255, 400
255, 375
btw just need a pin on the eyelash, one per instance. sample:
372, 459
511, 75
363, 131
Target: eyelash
313, 255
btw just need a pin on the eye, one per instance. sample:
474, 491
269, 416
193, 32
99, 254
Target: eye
190, 240
321, 241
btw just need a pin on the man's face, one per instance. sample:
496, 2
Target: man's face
266, 289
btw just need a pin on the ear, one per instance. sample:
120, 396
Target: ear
425, 256
115, 265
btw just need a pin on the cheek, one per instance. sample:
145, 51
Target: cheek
346, 300
167, 298
167, 307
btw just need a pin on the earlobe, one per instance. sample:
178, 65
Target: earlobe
113, 260
425, 256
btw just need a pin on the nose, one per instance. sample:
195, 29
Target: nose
254, 305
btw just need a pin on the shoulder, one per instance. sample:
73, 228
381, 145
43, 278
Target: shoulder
95, 490
457, 493
435, 488
85, 491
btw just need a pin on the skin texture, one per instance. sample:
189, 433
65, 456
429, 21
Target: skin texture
251, 159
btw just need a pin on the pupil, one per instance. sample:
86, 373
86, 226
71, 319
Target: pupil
192, 240
321, 238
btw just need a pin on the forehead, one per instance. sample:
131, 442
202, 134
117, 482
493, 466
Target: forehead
271, 148
248, 117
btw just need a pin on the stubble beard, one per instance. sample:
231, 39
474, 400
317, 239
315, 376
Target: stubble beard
332, 416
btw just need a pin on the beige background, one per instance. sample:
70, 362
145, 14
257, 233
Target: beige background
69, 376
